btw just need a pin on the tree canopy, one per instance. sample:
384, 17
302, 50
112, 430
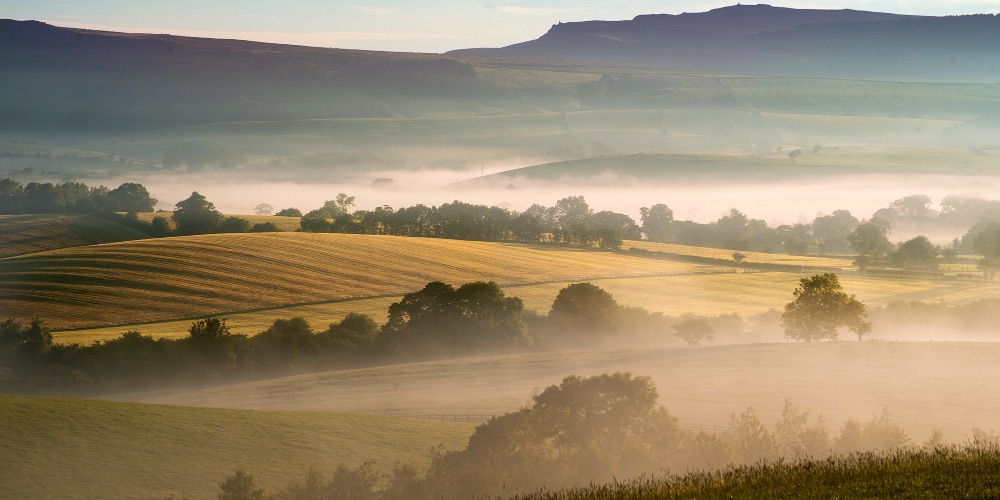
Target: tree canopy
196, 215
820, 308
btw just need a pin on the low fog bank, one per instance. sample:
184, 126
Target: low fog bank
778, 202
924, 386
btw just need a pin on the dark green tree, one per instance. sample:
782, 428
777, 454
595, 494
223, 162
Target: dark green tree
196, 215
918, 251
657, 222
584, 429
870, 242
132, 197
233, 224
583, 310
987, 244
820, 308
241, 485
476, 317
289, 212
831, 230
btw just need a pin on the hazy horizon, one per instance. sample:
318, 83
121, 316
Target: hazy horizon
392, 25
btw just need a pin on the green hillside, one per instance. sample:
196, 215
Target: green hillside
76, 448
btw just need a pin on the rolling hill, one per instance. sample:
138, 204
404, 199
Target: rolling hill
24, 234
76, 448
186, 277
925, 385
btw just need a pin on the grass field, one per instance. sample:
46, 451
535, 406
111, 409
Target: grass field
24, 234
173, 278
948, 472
925, 385
75, 448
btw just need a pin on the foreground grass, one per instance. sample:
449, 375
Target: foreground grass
76, 448
936, 473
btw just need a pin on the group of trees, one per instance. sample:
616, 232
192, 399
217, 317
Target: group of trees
570, 220
72, 197
589, 430
436, 321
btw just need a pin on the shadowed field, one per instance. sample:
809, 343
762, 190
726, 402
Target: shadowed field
76, 448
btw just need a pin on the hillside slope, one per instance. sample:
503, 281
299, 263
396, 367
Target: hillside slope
76, 448
194, 276
925, 385
24, 234
766, 40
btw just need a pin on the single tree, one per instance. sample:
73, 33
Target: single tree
693, 329
584, 310
869, 240
918, 251
196, 215
821, 307
263, 209
289, 212
987, 244
132, 197
345, 202
739, 257
657, 222
242, 485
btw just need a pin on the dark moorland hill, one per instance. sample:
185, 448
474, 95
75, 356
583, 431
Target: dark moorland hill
761, 39
95, 81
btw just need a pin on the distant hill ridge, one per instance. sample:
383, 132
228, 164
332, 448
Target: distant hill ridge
762, 39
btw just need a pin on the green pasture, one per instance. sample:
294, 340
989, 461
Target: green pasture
77, 448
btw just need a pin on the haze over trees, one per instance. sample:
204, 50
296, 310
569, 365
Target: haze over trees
820, 308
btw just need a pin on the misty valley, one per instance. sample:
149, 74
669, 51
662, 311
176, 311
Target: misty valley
750, 252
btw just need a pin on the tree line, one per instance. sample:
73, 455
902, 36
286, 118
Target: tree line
438, 321
571, 220
72, 197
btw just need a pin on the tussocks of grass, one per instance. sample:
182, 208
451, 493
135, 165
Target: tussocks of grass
949, 472
77, 448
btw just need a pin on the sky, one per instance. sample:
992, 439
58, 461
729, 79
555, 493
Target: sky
396, 25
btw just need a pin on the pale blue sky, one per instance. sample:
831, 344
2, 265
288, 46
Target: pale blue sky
418, 26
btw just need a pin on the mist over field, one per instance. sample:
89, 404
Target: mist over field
705, 241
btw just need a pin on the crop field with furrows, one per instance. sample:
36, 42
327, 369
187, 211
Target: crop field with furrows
751, 257
175, 278
707, 291
319, 317
24, 234
924, 385
77, 448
